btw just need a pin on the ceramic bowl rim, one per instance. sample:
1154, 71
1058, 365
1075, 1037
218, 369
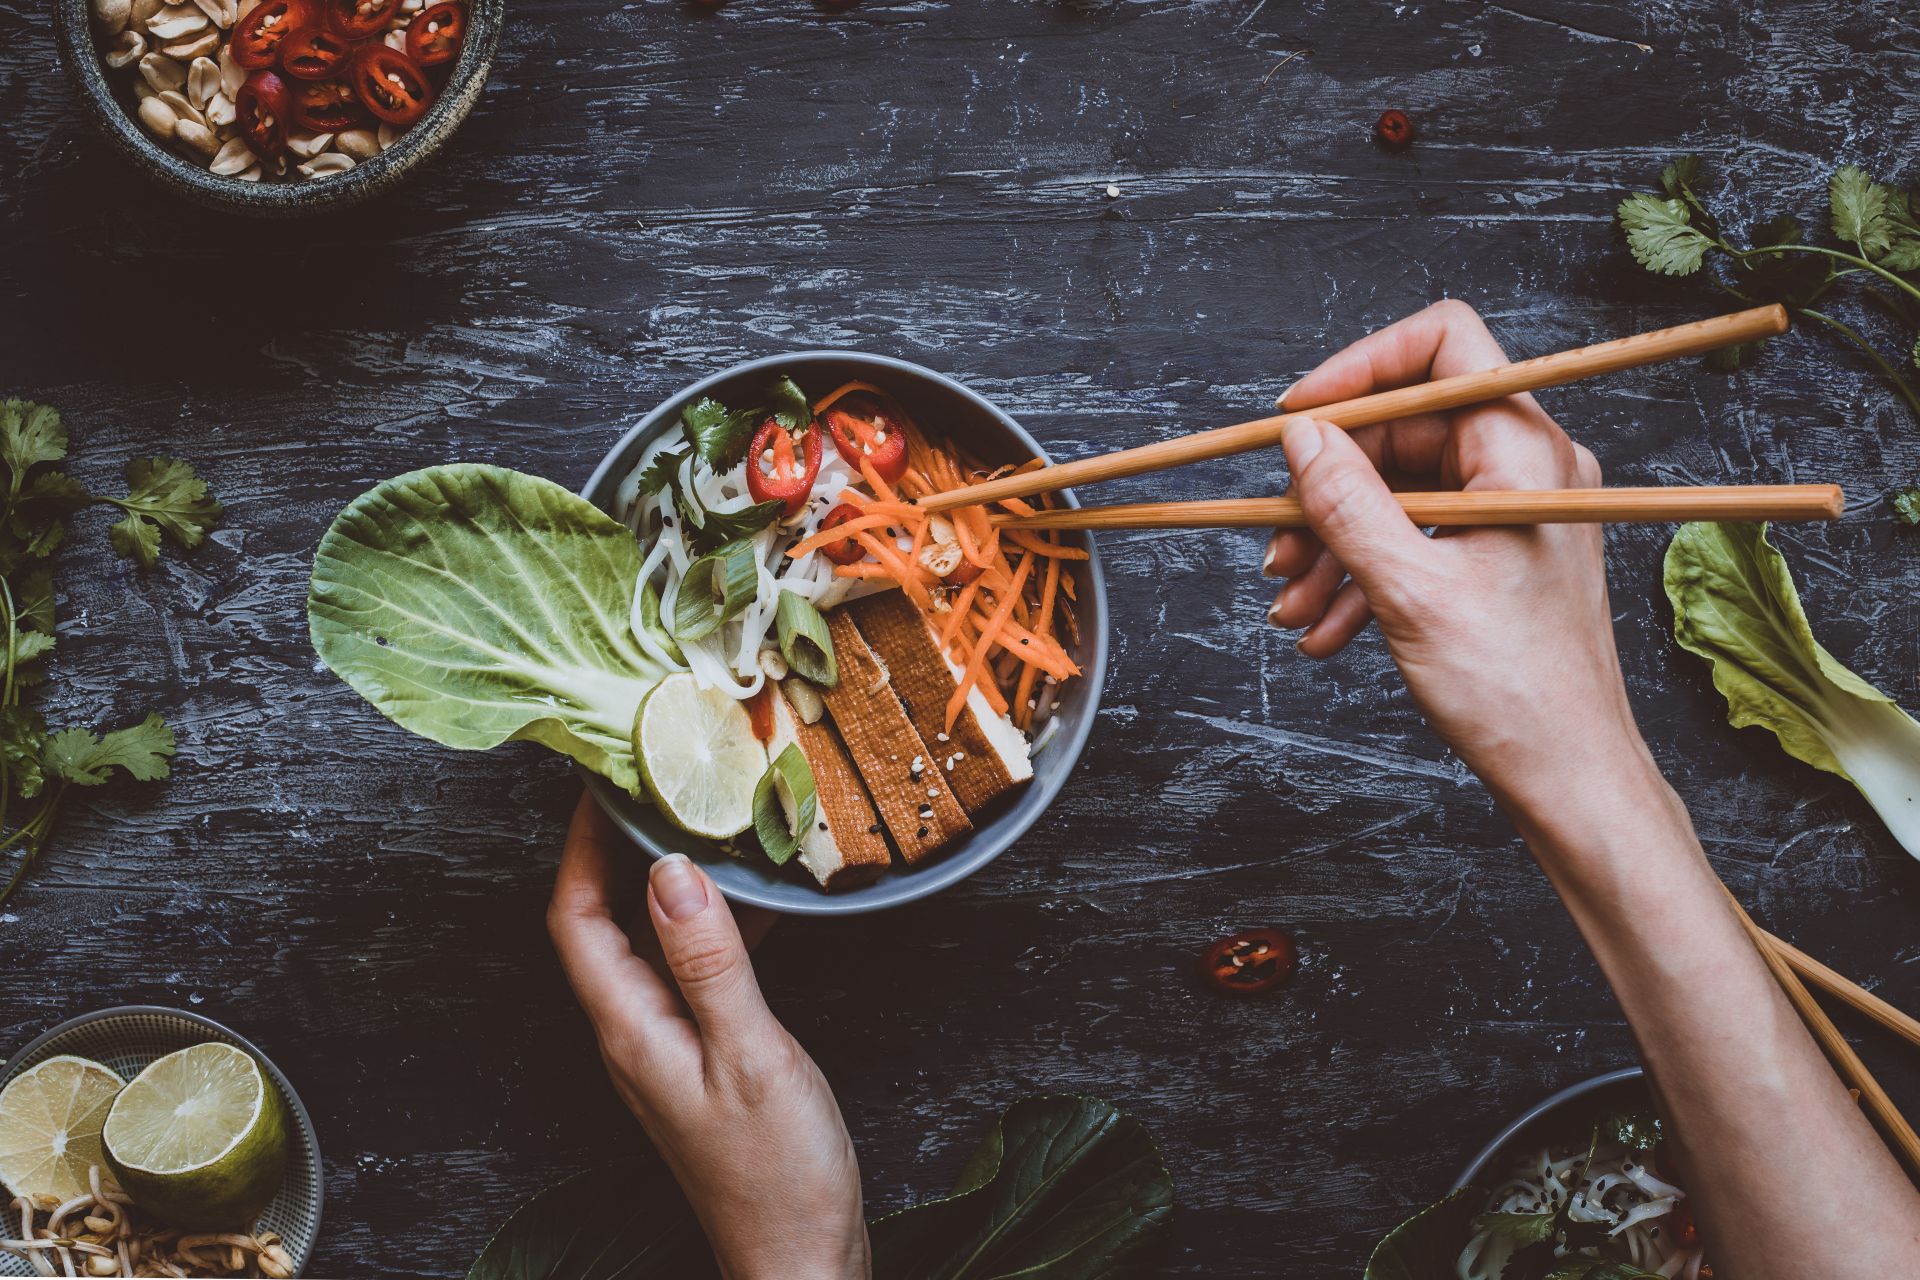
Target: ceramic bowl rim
1539, 1110
301, 1117
87, 73
1004, 829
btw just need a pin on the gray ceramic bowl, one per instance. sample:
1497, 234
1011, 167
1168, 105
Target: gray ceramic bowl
127, 1040
1572, 1108
107, 97
932, 398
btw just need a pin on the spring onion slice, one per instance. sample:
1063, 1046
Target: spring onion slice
804, 641
786, 787
714, 588
650, 623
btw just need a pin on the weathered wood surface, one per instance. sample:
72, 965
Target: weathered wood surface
649, 192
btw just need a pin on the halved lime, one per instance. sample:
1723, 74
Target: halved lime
698, 757
200, 1138
50, 1118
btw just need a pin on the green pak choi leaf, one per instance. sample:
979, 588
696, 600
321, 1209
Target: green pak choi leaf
1735, 605
1660, 237
626, 1222
475, 605
1427, 1245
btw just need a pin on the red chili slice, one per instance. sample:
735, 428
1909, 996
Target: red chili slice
326, 106
1252, 962
257, 38
862, 430
390, 85
845, 551
760, 713
774, 473
314, 53
260, 109
434, 36
358, 19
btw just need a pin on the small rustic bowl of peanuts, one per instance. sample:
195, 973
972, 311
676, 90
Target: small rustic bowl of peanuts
278, 107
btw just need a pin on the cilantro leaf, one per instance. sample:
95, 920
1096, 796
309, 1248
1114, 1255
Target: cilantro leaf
30, 434
1660, 236
1737, 356
720, 435
33, 600
1859, 206
28, 645
1521, 1228
1677, 179
706, 531
664, 470
75, 755
1906, 504
23, 738
165, 497
1640, 1130
789, 404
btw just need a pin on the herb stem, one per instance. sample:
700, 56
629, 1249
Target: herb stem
1847, 331
35, 831
1860, 264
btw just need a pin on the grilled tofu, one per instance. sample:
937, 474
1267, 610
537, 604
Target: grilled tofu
911, 792
844, 848
984, 756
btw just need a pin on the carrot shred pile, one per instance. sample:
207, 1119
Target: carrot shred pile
997, 622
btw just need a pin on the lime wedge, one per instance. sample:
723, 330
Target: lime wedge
50, 1118
199, 1138
698, 757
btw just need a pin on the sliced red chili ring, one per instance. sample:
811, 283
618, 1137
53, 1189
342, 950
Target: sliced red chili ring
1252, 962
358, 19
862, 430
774, 473
326, 106
260, 109
314, 53
845, 551
390, 85
434, 36
257, 38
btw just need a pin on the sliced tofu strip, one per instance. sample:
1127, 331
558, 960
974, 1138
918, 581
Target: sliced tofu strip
916, 803
844, 848
984, 755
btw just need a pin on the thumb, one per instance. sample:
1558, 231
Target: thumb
703, 950
1348, 503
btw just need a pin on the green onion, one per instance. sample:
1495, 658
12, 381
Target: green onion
788, 778
714, 588
804, 641
650, 622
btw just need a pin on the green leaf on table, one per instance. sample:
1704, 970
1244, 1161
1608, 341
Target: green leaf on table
30, 434
1638, 1129
1859, 209
1906, 505
1678, 178
475, 605
720, 435
1735, 605
1660, 236
164, 496
626, 1222
25, 646
1063, 1188
1427, 1245
33, 600
23, 742
76, 755
1597, 1269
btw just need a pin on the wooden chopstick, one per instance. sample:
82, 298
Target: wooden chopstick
1473, 507
1892, 1124
1845, 990
1448, 393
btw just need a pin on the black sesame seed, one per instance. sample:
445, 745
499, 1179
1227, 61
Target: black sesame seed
874, 830
923, 833
823, 826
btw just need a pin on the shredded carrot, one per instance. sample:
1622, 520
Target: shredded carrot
1019, 506
875, 483
827, 537
969, 547
845, 389
987, 635
1023, 693
961, 608
908, 576
864, 569
870, 506
1026, 539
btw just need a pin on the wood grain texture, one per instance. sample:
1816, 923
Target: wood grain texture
648, 192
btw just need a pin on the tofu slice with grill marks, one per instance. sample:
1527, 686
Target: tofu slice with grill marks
844, 848
986, 752
918, 807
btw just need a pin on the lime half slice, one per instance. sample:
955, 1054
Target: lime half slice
50, 1119
698, 757
200, 1138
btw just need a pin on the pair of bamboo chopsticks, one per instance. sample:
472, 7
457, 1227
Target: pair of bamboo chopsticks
1789, 966
1734, 502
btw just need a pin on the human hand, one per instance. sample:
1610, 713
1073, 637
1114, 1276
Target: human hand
739, 1112
1502, 634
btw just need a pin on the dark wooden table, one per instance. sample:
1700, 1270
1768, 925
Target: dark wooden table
649, 192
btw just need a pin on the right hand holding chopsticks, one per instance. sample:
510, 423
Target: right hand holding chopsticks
1502, 634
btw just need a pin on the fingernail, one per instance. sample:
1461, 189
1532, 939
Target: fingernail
1273, 610
1266, 562
678, 887
1302, 440
1280, 401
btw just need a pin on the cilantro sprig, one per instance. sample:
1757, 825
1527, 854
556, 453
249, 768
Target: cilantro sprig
1676, 233
165, 501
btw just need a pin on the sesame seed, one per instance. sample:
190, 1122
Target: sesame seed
923, 833
932, 792
941, 736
